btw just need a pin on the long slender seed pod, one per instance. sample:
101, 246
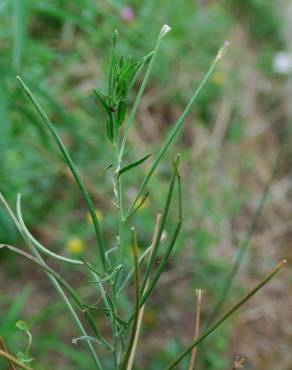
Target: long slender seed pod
174, 131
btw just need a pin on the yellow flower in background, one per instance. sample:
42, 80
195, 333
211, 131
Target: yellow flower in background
218, 78
75, 245
150, 318
99, 217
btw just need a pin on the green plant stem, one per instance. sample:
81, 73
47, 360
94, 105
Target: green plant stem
225, 317
37, 244
29, 342
141, 311
72, 168
124, 365
173, 133
132, 271
56, 285
130, 120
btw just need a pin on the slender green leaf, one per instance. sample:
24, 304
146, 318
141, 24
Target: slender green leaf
102, 102
134, 164
121, 113
72, 167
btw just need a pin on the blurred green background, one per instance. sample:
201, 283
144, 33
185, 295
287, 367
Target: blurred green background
61, 49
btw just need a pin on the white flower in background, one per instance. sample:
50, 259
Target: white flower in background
282, 63
164, 30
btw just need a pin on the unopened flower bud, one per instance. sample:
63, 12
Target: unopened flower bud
223, 50
164, 30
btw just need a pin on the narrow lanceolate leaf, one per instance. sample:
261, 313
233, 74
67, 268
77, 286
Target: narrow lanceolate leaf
134, 164
121, 113
110, 128
137, 301
103, 171
173, 364
72, 168
102, 101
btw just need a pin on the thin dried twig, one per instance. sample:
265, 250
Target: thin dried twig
199, 294
3, 347
238, 363
12, 359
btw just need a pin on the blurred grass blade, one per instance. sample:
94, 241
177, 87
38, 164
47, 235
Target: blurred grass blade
73, 169
4, 122
55, 11
173, 364
37, 244
125, 363
173, 133
19, 30
134, 164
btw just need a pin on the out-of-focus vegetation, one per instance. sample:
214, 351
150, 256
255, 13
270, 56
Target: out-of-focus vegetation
61, 50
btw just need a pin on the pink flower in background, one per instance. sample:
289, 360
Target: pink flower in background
127, 14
